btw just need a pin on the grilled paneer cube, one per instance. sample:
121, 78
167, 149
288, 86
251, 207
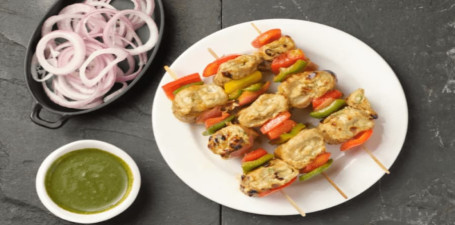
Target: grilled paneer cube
233, 140
266, 107
190, 102
358, 100
273, 49
302, 149
344, 125
237, 68
302, 88
272, 174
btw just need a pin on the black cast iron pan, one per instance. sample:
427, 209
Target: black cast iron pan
43, 102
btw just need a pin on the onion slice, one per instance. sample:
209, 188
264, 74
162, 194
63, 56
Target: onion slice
153, 29
49, 23
76, 60
119, 53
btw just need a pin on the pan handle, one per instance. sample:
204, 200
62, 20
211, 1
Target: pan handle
48, 124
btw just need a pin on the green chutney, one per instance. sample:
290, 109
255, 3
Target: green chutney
88, 181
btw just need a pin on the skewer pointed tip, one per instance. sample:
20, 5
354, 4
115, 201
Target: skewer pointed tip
256, 28
170, 72
213, 53
292, 202
376, 160
334, 185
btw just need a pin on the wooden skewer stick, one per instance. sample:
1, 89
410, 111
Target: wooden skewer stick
256, 28
292, 202
324, 174
170, 72
334, 185
363, 147
213, 53
288, 198
302, 213
375, 159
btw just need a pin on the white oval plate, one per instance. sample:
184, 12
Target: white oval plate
356, 65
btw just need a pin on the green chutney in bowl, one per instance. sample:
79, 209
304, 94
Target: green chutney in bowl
88, 181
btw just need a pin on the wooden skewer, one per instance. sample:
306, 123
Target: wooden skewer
323, 173
256, 28
292, 202
363, 147
334, 185
213, 53
170, 72
375, 159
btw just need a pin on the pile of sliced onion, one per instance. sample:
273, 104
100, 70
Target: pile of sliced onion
77, 59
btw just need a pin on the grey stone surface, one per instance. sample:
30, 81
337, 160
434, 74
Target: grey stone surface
417, 38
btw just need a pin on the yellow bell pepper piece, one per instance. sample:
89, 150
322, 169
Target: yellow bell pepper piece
234, 85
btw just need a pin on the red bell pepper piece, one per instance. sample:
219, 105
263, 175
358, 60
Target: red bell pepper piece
249, 96
320, 160
359, 139
264, 193
280, 118
211, 121
284, 127
326, 99
212, 68
266, 37
253, 155
211, 113
286, 59
174, 85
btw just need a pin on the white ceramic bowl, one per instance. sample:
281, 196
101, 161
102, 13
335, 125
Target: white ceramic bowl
95, 217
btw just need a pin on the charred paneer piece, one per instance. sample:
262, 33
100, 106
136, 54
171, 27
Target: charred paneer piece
233, 140
190, 102
273, 174
302, 88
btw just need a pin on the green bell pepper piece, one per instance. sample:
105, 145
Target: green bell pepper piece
298, 66
211, 130
254, 87
316, 171
187, 85
286, 136
235, 95
324, 112
251, 165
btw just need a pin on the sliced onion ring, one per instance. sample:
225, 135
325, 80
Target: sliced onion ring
120, 56
49, 23
153, 29
78, 56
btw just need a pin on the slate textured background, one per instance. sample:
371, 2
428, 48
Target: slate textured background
417, 38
